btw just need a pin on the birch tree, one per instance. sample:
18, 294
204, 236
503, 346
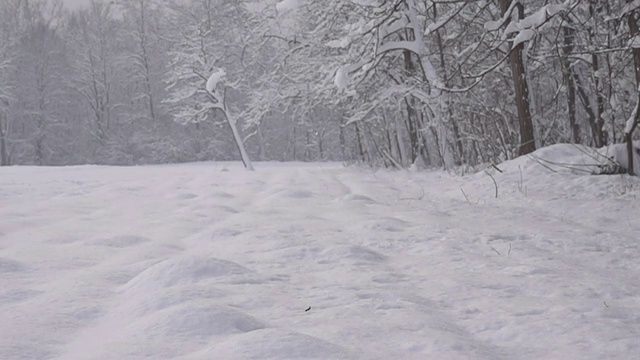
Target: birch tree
204, 45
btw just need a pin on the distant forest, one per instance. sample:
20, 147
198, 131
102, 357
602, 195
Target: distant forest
389, 83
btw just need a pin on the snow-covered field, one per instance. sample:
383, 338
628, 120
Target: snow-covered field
209, 261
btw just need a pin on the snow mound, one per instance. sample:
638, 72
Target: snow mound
569, 159
162, 334
151, 302
195, 320
359, 254
183, 271
357, 198
619, 157
559, 158
276, 344
556, 171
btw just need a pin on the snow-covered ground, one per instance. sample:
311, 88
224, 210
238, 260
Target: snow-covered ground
209, 261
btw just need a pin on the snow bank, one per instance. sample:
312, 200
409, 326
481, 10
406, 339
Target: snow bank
561, 170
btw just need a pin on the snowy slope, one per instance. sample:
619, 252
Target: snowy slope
209, 261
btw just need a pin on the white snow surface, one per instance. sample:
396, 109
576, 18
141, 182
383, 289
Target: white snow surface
209, 261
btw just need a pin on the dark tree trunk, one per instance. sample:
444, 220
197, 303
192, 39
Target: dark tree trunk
527, 139
571, 86
633, 31
412, 114
360, 147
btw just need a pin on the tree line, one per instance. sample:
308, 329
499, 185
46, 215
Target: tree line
391, 83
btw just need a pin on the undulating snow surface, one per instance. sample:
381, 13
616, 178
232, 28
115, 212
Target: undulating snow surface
209, 261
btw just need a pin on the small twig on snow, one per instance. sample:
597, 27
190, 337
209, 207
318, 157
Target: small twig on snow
494, 182
466, 197
494, 249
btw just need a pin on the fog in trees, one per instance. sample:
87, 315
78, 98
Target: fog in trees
387, 83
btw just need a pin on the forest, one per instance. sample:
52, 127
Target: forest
388, 83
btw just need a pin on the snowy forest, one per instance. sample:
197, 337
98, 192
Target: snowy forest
383, 82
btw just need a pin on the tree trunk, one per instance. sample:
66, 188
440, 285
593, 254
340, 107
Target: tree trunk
412, 114
4, 153
600, 136
238, 139
402, 150
342, 138
261, 143
571, 86
458, 145
633, 31
359, 140
527, 140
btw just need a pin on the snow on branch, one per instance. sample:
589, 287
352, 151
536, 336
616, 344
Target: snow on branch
215, 79
341, 79
534, 20
629, 7
497, 24
433, 27
525, 29
286, 5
